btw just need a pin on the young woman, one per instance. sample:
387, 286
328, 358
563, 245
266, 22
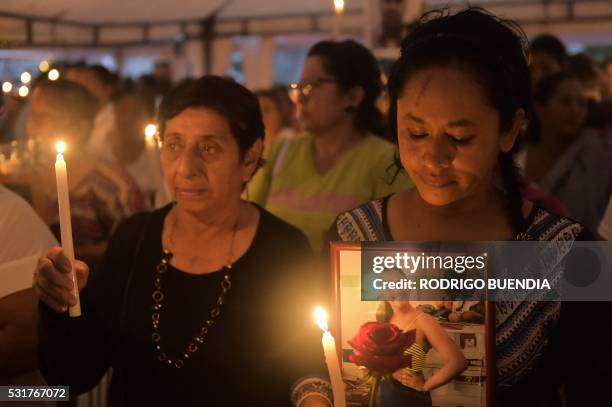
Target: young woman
459, 95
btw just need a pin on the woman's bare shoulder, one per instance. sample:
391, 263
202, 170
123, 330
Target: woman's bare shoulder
428, 323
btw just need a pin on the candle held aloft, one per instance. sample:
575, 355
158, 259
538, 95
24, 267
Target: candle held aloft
338, 11
331, 358
339, 6
63, 201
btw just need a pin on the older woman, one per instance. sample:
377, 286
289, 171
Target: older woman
198, 302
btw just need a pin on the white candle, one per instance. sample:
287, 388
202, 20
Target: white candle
61, 178
150, 132
331, 358
339, 10
153, 146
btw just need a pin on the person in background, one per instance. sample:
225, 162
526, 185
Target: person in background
24, 239
340, 161
547, 55
133, 112
162, 72
607, 69
605, 227
562, 157
592, 77
152, 88
102, 194
9, 112
278, 114
101, 83
582, 67
606, 104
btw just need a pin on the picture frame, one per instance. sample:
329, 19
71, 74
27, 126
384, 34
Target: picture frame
473, 387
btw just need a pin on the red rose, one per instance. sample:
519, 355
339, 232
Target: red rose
380, 347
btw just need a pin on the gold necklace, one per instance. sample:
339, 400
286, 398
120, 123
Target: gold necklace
158, 297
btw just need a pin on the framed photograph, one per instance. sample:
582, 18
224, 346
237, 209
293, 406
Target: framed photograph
468, 325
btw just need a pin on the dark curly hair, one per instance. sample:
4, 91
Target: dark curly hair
229, 99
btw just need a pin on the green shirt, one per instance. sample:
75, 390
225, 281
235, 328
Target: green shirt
290, 187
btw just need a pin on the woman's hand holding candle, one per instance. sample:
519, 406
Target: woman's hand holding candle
53, 280
63, 202
331, 358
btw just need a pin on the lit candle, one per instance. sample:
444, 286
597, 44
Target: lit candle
153, 147
23, 91
150, 132
338, 9
53, 75
44, 66
7, 87
61, 178
26, 78
331, 358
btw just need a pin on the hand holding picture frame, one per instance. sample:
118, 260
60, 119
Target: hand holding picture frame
423, 342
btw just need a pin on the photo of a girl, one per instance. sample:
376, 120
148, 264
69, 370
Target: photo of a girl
408, 385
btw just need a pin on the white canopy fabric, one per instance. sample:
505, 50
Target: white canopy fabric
123, 22
118, 11
172, 29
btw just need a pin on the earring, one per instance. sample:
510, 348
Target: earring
245, 192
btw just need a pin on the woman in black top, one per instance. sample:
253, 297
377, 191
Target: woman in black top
201, 302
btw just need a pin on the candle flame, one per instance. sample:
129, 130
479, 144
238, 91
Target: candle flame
26, 77
44, 66
53, 75
150, 131
60, 146
7, 87
23, 91
320, 317
294, 92
339, 6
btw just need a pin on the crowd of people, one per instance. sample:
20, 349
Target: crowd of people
198, 257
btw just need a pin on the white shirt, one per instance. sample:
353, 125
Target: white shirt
147, 172
104, 123
25, 238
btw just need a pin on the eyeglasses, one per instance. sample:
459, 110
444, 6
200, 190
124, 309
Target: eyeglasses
305, 88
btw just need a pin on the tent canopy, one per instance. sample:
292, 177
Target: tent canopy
120, 11
125, 23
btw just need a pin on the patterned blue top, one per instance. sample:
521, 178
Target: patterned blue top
522, 328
